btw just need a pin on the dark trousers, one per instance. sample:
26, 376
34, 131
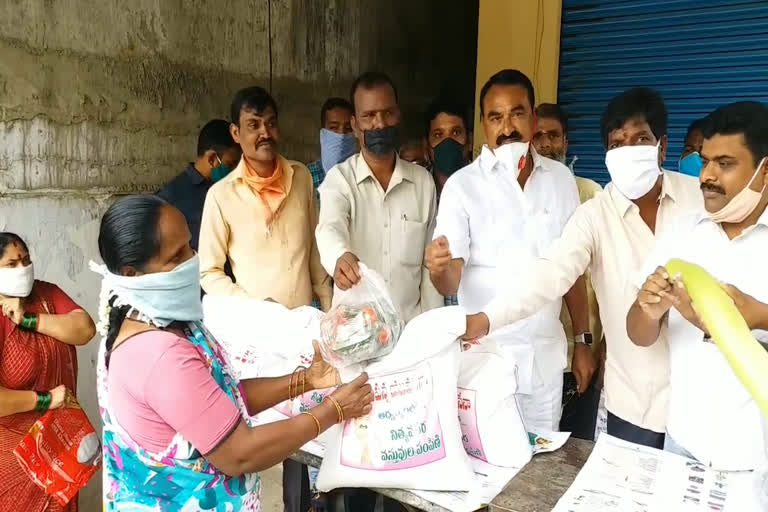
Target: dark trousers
625, 430
296, 495
364, 500
580, 410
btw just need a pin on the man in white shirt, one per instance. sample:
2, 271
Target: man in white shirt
377, 208
712, 416
611, 236
497, 214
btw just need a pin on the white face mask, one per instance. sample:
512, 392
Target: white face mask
634, 170
17, 281
160, 298
742, 204
512, 155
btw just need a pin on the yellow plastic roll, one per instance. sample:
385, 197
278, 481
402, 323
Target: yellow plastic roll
727, 328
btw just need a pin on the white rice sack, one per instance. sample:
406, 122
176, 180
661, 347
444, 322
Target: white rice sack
261, 338
491, 423
265, 339
411, 439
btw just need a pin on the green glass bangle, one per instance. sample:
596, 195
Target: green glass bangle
29, 322
43, 401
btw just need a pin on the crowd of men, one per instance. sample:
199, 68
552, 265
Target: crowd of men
510, 236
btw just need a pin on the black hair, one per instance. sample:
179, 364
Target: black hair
369, 80
749, 118
444, 106
128, 237
641, 102
553, 111
508, 77
7, 238
332, 103
215, 135
695, 126
253, 98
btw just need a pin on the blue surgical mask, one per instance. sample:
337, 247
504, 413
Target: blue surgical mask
690, 165
336, 147
220, 171
160, 298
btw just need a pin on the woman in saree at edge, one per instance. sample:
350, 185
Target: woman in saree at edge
176, 431
40, 326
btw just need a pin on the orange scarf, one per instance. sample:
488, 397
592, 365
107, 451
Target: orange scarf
270, 190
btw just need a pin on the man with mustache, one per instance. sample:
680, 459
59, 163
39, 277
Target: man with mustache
378, 208
498, 213
261, 218
611, 236
707, 402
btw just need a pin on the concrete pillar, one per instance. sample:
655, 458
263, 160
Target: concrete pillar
518, 34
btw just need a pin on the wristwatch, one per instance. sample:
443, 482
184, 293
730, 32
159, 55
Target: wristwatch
585, 338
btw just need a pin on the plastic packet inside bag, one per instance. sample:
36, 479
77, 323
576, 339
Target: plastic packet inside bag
61, 452
363, 323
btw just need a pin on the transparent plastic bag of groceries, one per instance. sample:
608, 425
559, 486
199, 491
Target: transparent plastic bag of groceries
362, 324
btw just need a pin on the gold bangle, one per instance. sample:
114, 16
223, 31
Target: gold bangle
338, 408
297, 372
317, 421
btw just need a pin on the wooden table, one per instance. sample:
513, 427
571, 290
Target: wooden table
535, 489
543, 480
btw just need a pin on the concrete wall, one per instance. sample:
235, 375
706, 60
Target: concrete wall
105, 98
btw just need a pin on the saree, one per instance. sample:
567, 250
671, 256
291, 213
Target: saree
179, 479
32, 361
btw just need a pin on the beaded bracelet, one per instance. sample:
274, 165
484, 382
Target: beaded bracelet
43, 401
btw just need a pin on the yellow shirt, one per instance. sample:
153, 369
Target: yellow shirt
606, 236
587, 190
282, 264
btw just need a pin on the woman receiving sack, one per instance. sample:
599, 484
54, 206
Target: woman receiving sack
176, 432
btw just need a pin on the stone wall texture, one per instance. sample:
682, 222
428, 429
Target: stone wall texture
104, 98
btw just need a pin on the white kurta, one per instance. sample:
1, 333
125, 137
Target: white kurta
499, 229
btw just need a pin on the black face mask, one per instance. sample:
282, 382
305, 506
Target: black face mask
381, 142
449, 156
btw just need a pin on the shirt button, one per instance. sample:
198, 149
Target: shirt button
386, 224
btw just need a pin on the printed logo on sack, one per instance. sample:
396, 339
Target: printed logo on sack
470, 435
403, 428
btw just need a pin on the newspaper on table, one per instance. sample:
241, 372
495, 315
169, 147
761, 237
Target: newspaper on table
625, 477
491, 480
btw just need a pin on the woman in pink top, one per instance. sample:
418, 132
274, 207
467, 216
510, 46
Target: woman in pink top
176, 431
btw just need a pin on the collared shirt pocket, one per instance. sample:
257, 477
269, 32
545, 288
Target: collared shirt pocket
412, 244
